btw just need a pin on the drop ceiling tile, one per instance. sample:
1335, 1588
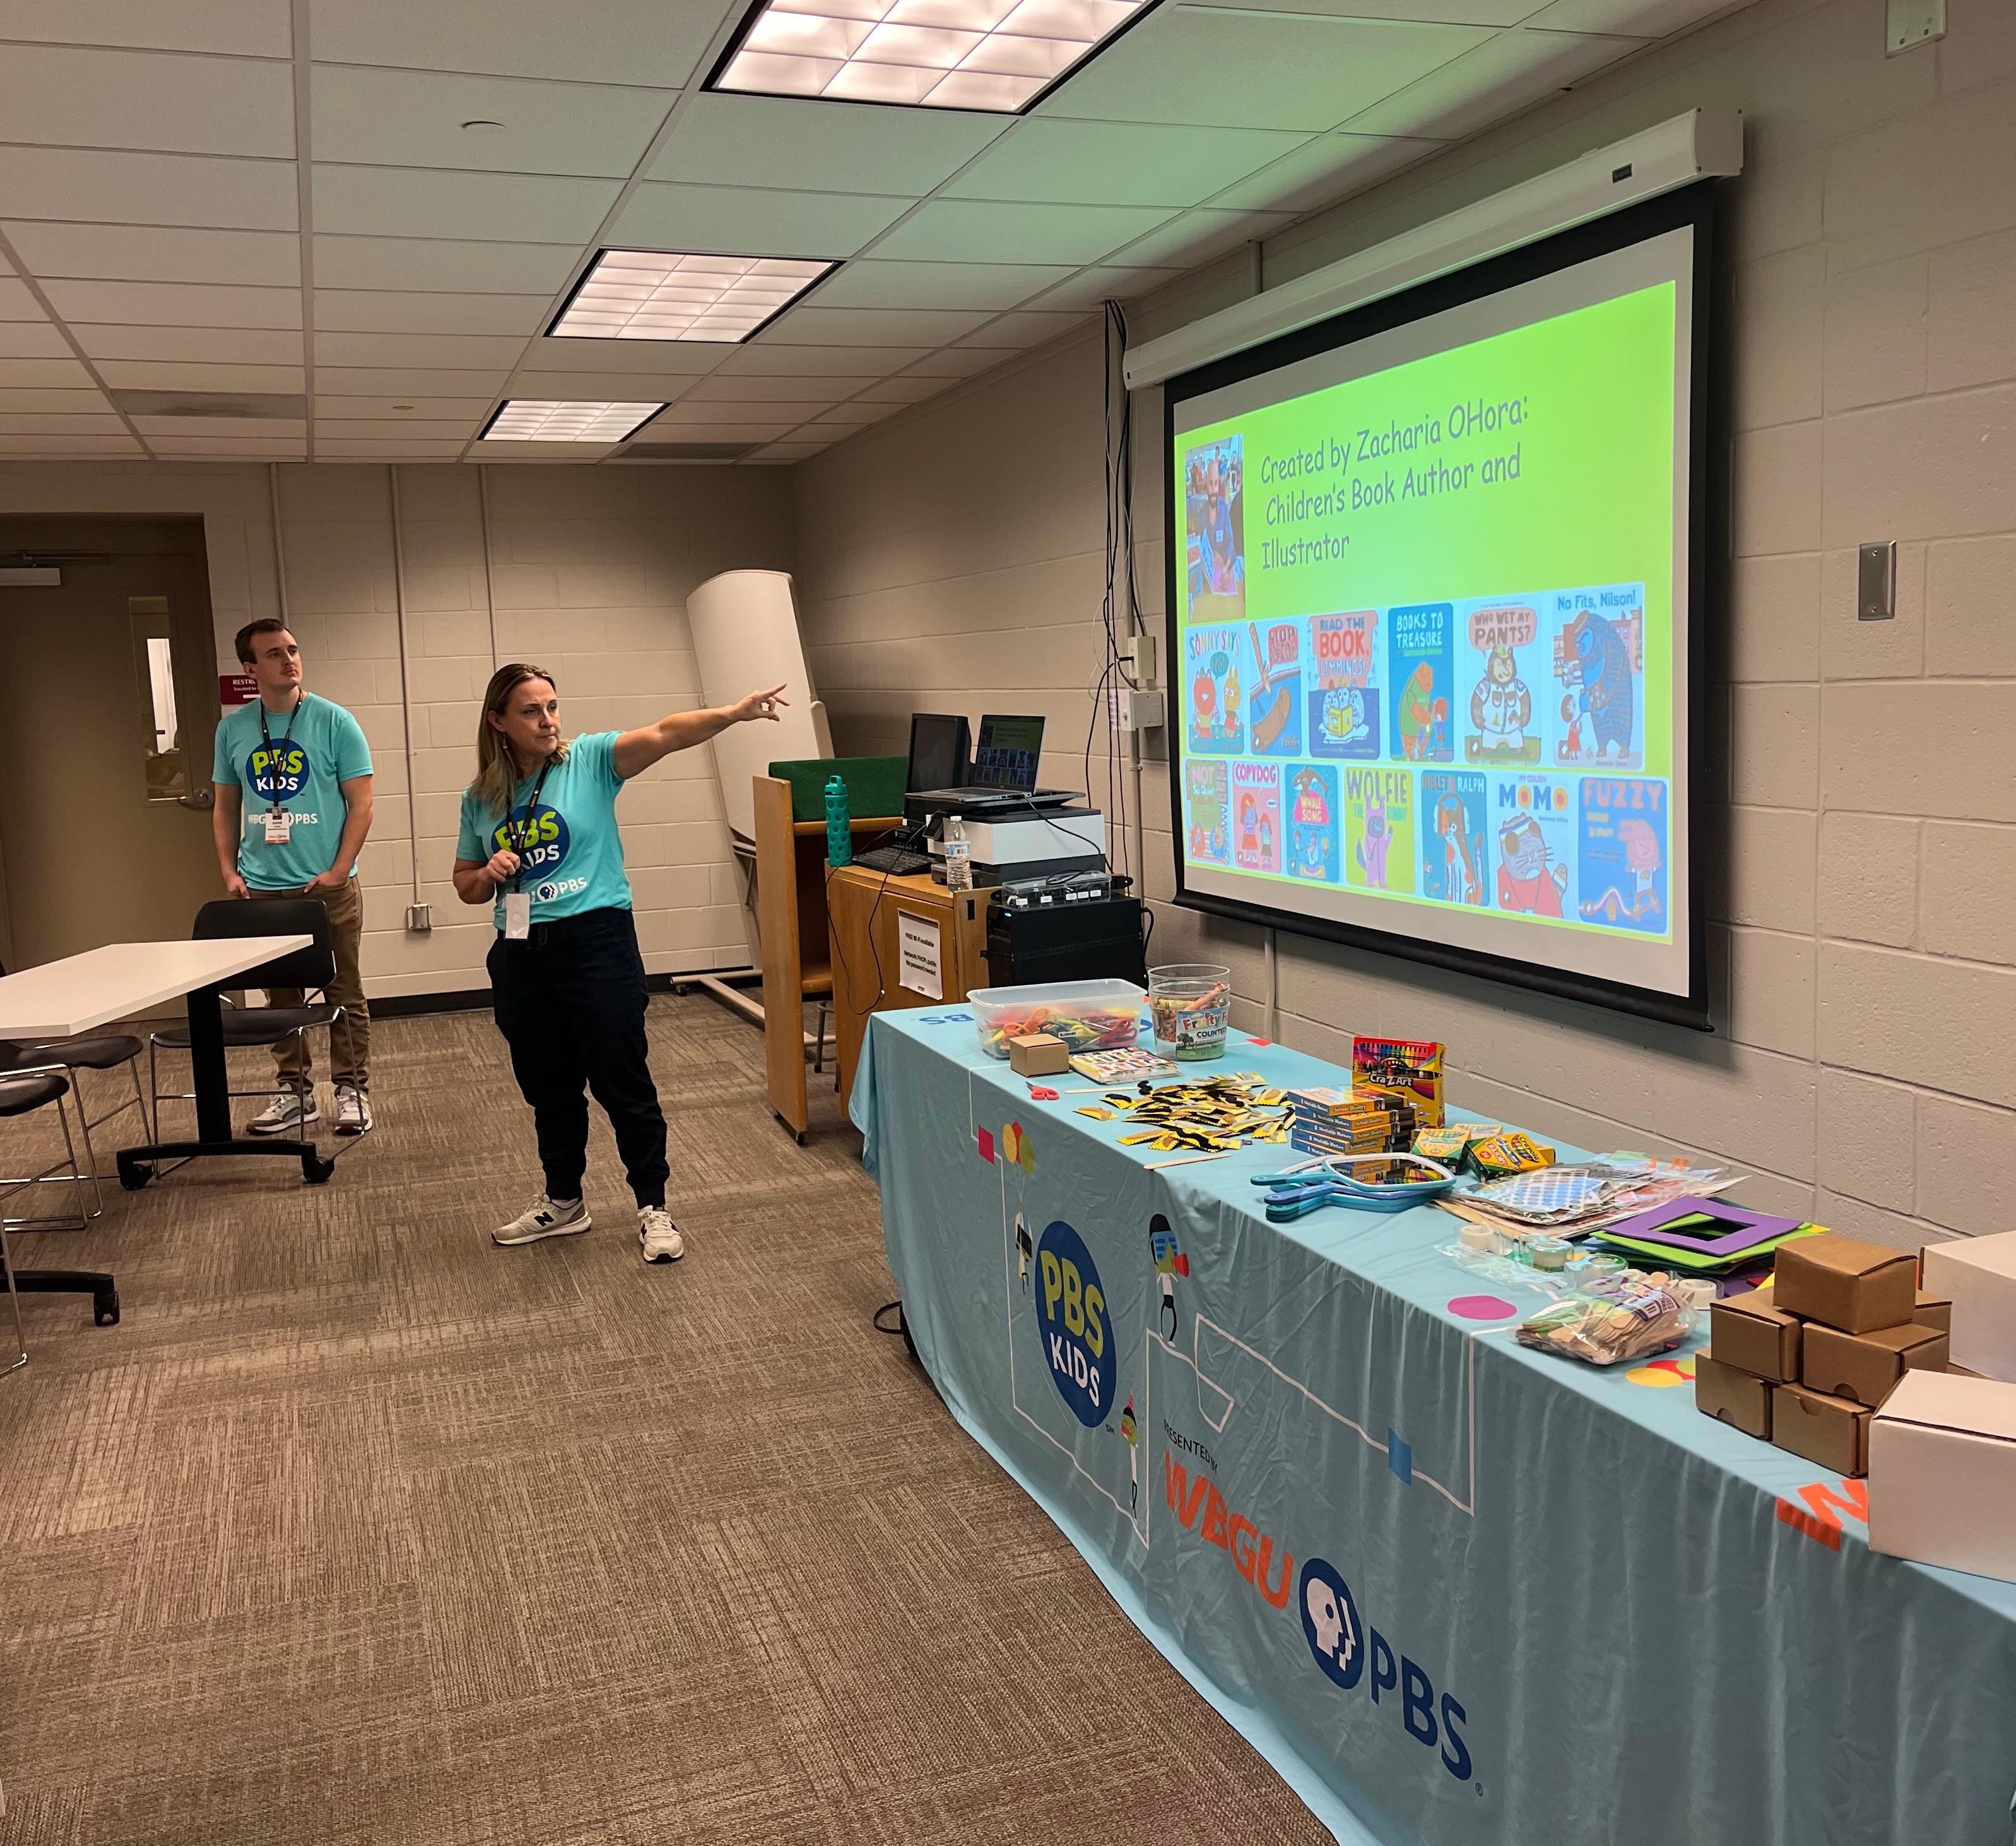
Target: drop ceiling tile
1014, 331
721, 432
49, 374
878, 326
687, 411
85, 401
744, 221
242, 28
1322, 171
768, 359
614, 41
240, 448
380, 311
905, 390
976, 231
418, 429
856, 415
431, 263
191, 375
1117, 163
764, 141
153, 253
723, 388
1636, 19
263, 429
53, 423
379, 381
676, 359
469, 352
1255, 70
955, 362
1449, 12
69, 97
16, 303
168, 304
387, 448
414, 118
33, 339
869, 282
613, 387
1490, 83
796, 449
421, 202
241, 346
108, 444
97, 185
1198, 236
384, 409
1091, 286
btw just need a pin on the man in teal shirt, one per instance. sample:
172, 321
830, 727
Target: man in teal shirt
292, 780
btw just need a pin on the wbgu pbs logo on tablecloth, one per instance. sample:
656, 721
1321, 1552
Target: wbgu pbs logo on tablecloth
1072, 1323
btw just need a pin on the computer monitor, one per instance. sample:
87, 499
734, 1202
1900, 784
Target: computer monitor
939, 744
1008, 751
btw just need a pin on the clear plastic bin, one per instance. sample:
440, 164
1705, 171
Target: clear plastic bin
1190, 1003
1087, 1016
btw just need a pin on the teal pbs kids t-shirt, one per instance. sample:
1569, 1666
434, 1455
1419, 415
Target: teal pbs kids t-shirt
571, 860
301, 765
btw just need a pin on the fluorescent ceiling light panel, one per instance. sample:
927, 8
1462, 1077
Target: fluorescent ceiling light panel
1000, 56
566, 419
667, 294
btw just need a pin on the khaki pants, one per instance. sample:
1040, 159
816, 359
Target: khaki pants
350, 1037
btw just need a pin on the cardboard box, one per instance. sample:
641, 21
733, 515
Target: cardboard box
1867, 1366
1933, 1311
1978, 1275
1039, 1054
1845, 1282
1741, 1398
1942, 1473
1832, 1431
1747, 1331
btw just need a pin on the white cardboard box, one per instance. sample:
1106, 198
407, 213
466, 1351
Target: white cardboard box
1979, 1274
1942, 1473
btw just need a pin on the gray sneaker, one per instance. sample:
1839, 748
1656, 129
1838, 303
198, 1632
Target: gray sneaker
287, 1111
353, 1110
659, 1235
550, 1217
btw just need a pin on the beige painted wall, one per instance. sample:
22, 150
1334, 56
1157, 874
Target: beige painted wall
1861, 875
592, 569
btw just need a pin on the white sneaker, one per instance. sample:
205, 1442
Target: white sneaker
550, 1217
353, 1110
659, 1235
287, 1110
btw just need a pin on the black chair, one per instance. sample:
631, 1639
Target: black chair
311, 969
21, 1094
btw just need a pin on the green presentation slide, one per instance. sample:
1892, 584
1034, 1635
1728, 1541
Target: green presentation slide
1427, 633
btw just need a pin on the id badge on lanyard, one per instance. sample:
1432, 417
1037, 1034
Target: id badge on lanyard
517, 916
279, 826
280, 823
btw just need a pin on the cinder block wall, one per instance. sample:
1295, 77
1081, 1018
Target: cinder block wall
592, 569
1862, 833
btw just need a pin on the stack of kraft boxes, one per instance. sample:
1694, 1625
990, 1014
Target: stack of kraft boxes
1805, 1361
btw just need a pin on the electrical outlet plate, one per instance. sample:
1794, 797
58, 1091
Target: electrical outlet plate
1910, 22
419, 918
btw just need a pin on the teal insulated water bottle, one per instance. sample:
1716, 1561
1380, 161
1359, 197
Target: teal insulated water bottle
839, 835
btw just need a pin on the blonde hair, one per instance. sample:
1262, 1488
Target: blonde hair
498, 774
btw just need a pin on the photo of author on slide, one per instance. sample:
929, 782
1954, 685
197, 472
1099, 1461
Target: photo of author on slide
1215, 522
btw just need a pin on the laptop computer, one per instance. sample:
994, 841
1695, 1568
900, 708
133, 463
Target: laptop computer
1004, 768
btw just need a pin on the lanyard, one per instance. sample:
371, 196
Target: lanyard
287, 736
519, 833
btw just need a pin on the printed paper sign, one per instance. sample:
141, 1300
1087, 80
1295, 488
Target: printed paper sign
920, 957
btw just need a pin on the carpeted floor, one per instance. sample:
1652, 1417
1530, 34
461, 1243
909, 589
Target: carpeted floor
359, 1529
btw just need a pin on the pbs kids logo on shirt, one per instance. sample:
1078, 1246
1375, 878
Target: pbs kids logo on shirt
1071, 1322
278, 771
540, 841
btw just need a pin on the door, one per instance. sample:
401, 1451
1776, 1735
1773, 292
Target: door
112, 684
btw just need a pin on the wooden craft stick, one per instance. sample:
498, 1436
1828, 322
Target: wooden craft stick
1189, 1160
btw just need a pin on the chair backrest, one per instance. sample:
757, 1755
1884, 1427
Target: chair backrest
314, 967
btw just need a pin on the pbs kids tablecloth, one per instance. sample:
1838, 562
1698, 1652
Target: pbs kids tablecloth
1453, 1590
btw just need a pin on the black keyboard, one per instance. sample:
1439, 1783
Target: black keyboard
898, 862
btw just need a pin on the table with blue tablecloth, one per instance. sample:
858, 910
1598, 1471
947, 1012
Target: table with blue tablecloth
1453, 1589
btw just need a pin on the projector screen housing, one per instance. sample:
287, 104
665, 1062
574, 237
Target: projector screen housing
1473, 524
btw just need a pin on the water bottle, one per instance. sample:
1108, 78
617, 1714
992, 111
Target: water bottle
958, 856
839, 835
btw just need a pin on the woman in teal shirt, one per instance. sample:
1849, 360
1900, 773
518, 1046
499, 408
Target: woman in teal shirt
539, 844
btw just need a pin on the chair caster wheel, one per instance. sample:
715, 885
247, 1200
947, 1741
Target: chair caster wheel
134, 1174
105, 1309
314, 1170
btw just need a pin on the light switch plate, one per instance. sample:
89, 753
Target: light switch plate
1910, 23
1876, 582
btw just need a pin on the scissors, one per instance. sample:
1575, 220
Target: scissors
1310, 1185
